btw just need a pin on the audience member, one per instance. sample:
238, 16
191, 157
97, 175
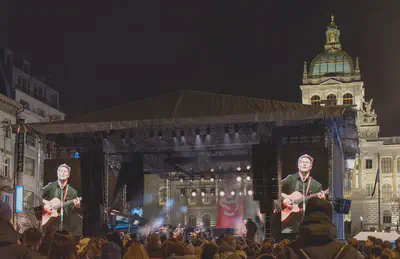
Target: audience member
63, 246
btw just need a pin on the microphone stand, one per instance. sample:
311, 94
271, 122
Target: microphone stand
62, 211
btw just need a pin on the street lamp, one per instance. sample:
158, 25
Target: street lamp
361, 223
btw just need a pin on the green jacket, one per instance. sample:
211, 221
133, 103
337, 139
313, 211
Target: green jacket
53, 190
294, 183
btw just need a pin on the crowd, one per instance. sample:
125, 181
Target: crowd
316, 239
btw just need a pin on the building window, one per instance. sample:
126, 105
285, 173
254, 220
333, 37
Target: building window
54, 117
316, 100
207, 220
7, 128
29, 166
192, 220
40, 112
26, 67
28, 200
368, 164
24, 103
386, 191
6, 199
368, 189
30, 139
331, 97
398, 165
387, 217
386, 165
162, 196
193, 199
6, 166
398, 190
347, 99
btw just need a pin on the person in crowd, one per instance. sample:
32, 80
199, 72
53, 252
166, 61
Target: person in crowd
369, 246
94, 248
353, 242
239, 251
32, 238
82, 245
47, 240
63, 246
153, 247
317, 236
396, 249
251, 228
9, 247
266, 251
114, 244
172, 249
189, 252
136, 251
209, 251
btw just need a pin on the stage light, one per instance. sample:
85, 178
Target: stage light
240, 193
222, 193
226, 129
160, 134
220, 179
237, 129
197, 131
208, 131
239, 178
202, 179
151, 134
212, 192
233, 193
183, 192
181, 179
221, 168
212, 170
238, 168
212, 179
203, 193
248, 178
250, 192
173, 134
182, 133
191, 179
194, 193
248, 167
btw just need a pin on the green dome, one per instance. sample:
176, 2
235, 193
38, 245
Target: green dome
330, 62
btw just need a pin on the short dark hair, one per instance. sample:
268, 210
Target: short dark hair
32, 236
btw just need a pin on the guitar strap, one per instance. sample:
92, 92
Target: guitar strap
65, 194
308, 185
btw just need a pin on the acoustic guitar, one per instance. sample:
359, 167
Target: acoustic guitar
54, 209
296, 198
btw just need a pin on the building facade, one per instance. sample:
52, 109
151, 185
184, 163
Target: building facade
334, 78
40, 104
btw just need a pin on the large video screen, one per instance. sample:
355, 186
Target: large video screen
304, 170
62, 195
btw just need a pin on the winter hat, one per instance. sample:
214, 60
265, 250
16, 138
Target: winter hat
189, 250
5, 211
320, 206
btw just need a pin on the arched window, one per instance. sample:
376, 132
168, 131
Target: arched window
192, 220
387, 217
316, 100
347, 99
207, 220
162, 196
386, 190
331, 97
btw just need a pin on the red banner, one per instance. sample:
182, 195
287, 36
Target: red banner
230, 212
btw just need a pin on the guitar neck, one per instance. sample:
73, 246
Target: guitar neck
300, 200
64, 204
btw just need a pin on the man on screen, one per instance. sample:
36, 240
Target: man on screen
295, 188
61, 190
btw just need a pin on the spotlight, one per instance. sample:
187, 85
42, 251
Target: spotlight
226, 129
191, 179
220, 179
202, 179
182, 133
181, 179
212, 179
197, 131
183, 192
248, 167
237, 129
173, 134
208, 131
212, 170
151, 134
238, 169
212, 191
222, 193
248, 178
250, 192
122, 135
203, 193
194, 193
160, 134
233, 193
240, 193
221, 168
239, 178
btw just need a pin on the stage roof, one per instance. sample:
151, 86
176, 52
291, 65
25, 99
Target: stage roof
185, 107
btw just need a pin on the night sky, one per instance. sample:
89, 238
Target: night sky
99, 54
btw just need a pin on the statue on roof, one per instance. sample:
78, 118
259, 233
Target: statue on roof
368, 106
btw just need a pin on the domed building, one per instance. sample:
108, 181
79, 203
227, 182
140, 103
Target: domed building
333, 77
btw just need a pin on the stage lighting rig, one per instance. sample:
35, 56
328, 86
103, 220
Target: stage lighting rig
233, 192
222, 193
239, 178
250, 192
194, 193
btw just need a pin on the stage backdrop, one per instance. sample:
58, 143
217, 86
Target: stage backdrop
293, 143
230, 211
50, 175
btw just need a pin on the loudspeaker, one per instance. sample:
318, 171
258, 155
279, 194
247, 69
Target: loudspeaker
265, 172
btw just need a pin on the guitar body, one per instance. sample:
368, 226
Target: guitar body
287, 211
49, 216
